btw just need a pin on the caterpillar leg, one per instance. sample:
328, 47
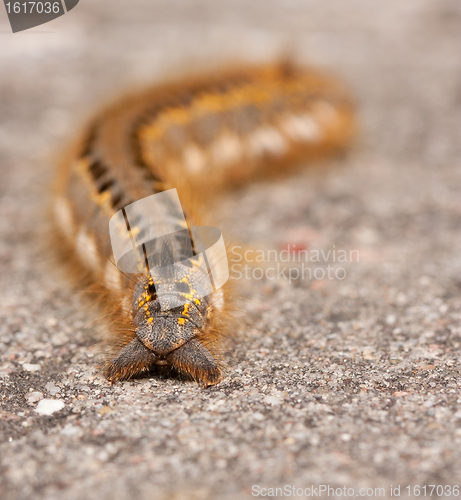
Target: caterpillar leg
191, 359
195, 360
133, 359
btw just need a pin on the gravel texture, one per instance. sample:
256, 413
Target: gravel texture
350, 382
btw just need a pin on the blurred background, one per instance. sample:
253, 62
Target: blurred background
353, 383
400, 59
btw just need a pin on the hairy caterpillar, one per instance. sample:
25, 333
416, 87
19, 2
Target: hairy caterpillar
198, 136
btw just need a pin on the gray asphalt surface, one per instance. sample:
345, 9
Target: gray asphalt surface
350, 382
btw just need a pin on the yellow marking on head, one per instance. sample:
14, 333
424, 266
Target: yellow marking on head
150, 320
143, 298
192, 292
185, 311
197, 301
181, 321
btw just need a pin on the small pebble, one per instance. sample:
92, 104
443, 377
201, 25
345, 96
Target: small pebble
104, 410
33, 397
49, 406
51, 388
30, 367
272, 400
390, 319
368, 354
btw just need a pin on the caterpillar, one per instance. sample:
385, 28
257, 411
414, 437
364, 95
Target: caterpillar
198, 135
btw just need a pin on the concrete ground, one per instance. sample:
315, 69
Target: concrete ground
349, 383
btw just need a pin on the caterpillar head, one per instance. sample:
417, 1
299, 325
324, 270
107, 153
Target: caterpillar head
170, 307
